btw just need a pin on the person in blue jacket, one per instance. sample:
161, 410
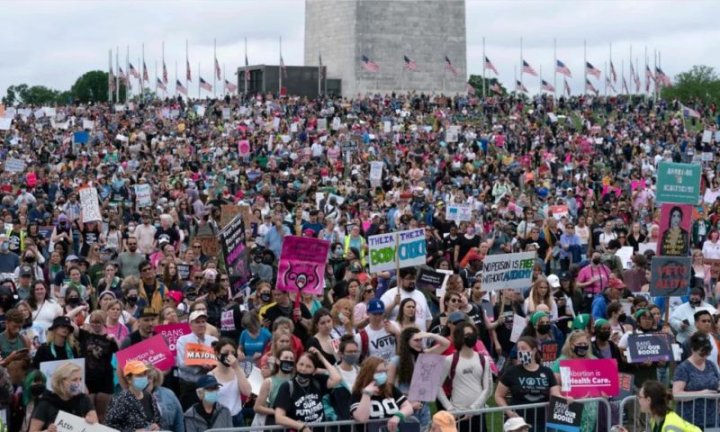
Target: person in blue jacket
612, 293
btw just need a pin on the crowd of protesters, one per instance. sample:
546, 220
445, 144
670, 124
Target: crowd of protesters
73, 288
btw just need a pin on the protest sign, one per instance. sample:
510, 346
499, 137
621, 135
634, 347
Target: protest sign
88, 124
625, 254
411, 248
153, 350
406, 248
707, 136
430, 280
518, 325
627, 385
589, 378
670, 276
232, 241
197, 354
48, 367
143, 195
302, 265
426, 378
678, 183
376, 169
549, 352
66, 422
5, 123
81, 137
559, 211
649, 347
171, 333
564, 417
452, 134
321, 124
643, 247
458, 212
227, 213
675, 227
13, 165
89, 205
243, 148
208, 244
253, 374
508, 271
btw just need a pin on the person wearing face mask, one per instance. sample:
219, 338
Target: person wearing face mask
232, 379
209, 413
66, 395
603, 347
646, 370
696, 376
548, 336
134, 408
406, 289
682, 318
528, 382
264, 414
592, 280
374, 397
33, 386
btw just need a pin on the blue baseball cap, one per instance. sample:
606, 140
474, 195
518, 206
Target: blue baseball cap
376, 306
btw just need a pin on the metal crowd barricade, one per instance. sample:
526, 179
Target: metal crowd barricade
700, 410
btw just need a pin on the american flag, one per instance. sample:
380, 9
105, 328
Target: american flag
180, 88
135, 73
232, 88
689, 112
188, 75
547, 86
589, 87
111, 79
449, 66
567, 87
470, 89
247, 69
635, 77
609, 83
145, 73
592, 70
369, 65
520, 87
218, 72
526, 68
648, 77
562, 69
489, 65
121, 74
662, 78
612, 72
409, 64
496, 88
282, 66
625, 86
165, 74
205, 85
161, 84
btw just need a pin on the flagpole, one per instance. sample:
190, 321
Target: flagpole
540, 75
280, 72
109, 80
176, 78
554, 68
127, 74
655, 88
516, 80
521, 62
607, 79
319, 74
156, 78
140, 80
647, 76
214, 69
187, 65
483, 69
622, 74
142, 74
117, 75
585, 66
632, 78
245, 78
611, 63
198, 80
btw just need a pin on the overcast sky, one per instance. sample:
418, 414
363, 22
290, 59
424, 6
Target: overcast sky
53, 42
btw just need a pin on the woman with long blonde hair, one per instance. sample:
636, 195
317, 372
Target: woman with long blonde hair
540, 294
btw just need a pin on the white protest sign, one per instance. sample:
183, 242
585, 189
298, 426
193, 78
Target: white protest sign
336, 123
512, 271
49, 367
143, 195
625, 254
5, 123
452, 134
382, 252
90, 207
322, 124
406, 248
519, 324
293, 127
707, 136
458, 212
88, 124
411, 248
387, 126
276, 123
14, 165
707, 156
376, 169
66, 422
226, 113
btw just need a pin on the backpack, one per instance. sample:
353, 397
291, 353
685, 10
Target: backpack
448, 384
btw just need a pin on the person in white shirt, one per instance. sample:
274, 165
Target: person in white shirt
198, 326
145, 234
682, 319
607, 235
393, 297
379, 337
711, 246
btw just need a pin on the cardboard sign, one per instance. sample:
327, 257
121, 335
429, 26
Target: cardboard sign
376, 170
675, 227
678, 183
13, 165
649, 347
197, 354
66, 422
171, 333
670, 276
625, 254
90, 207
209, 245
143, 195
563, 416
589, 378
402, 249
426, 378
508, 271
153, 350
458, 212
302, 265
518, 325
48, 367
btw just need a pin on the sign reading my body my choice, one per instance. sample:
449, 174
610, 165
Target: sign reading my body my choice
406, 247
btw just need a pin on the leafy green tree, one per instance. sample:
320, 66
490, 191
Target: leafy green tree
476, 81
701, 83
91, 87
39, 95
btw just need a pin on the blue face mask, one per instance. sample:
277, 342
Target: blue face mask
380, 378
140, 383
211, 396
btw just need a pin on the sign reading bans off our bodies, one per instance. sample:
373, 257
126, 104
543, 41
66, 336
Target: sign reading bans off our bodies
508, 271
405, 247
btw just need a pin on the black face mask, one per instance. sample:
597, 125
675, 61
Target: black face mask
30, 259
596, 261
74, 301
223, 358
543, 329
265, 297
470, 340
603, 336
287, 366
622, 317
37, 389
132, 301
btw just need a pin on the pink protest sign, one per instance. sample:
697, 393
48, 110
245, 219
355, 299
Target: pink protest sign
589, 378
171, 333
302, 265
243, 148
153, 350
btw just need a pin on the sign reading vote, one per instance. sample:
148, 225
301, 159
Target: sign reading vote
406, 248
508, 271
649, 347
678, 183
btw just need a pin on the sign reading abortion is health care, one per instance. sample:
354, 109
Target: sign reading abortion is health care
508, 271
407, 248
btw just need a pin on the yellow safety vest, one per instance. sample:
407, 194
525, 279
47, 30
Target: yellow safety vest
675, 423
362, 248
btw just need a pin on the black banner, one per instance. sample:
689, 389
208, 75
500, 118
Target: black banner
232, 242
563, 416
649, 347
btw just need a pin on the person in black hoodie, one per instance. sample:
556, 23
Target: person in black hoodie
66, 395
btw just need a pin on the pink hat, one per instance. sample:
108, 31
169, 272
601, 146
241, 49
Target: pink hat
177, 296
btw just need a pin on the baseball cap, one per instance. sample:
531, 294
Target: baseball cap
208, 381
148, 312
61, 321
134, 367
616, 283
553, 281
444, 421
456, 317
581, 322
177, 296
514, 424
26, 271
72, 258
375, 306
197, 314
537, 316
